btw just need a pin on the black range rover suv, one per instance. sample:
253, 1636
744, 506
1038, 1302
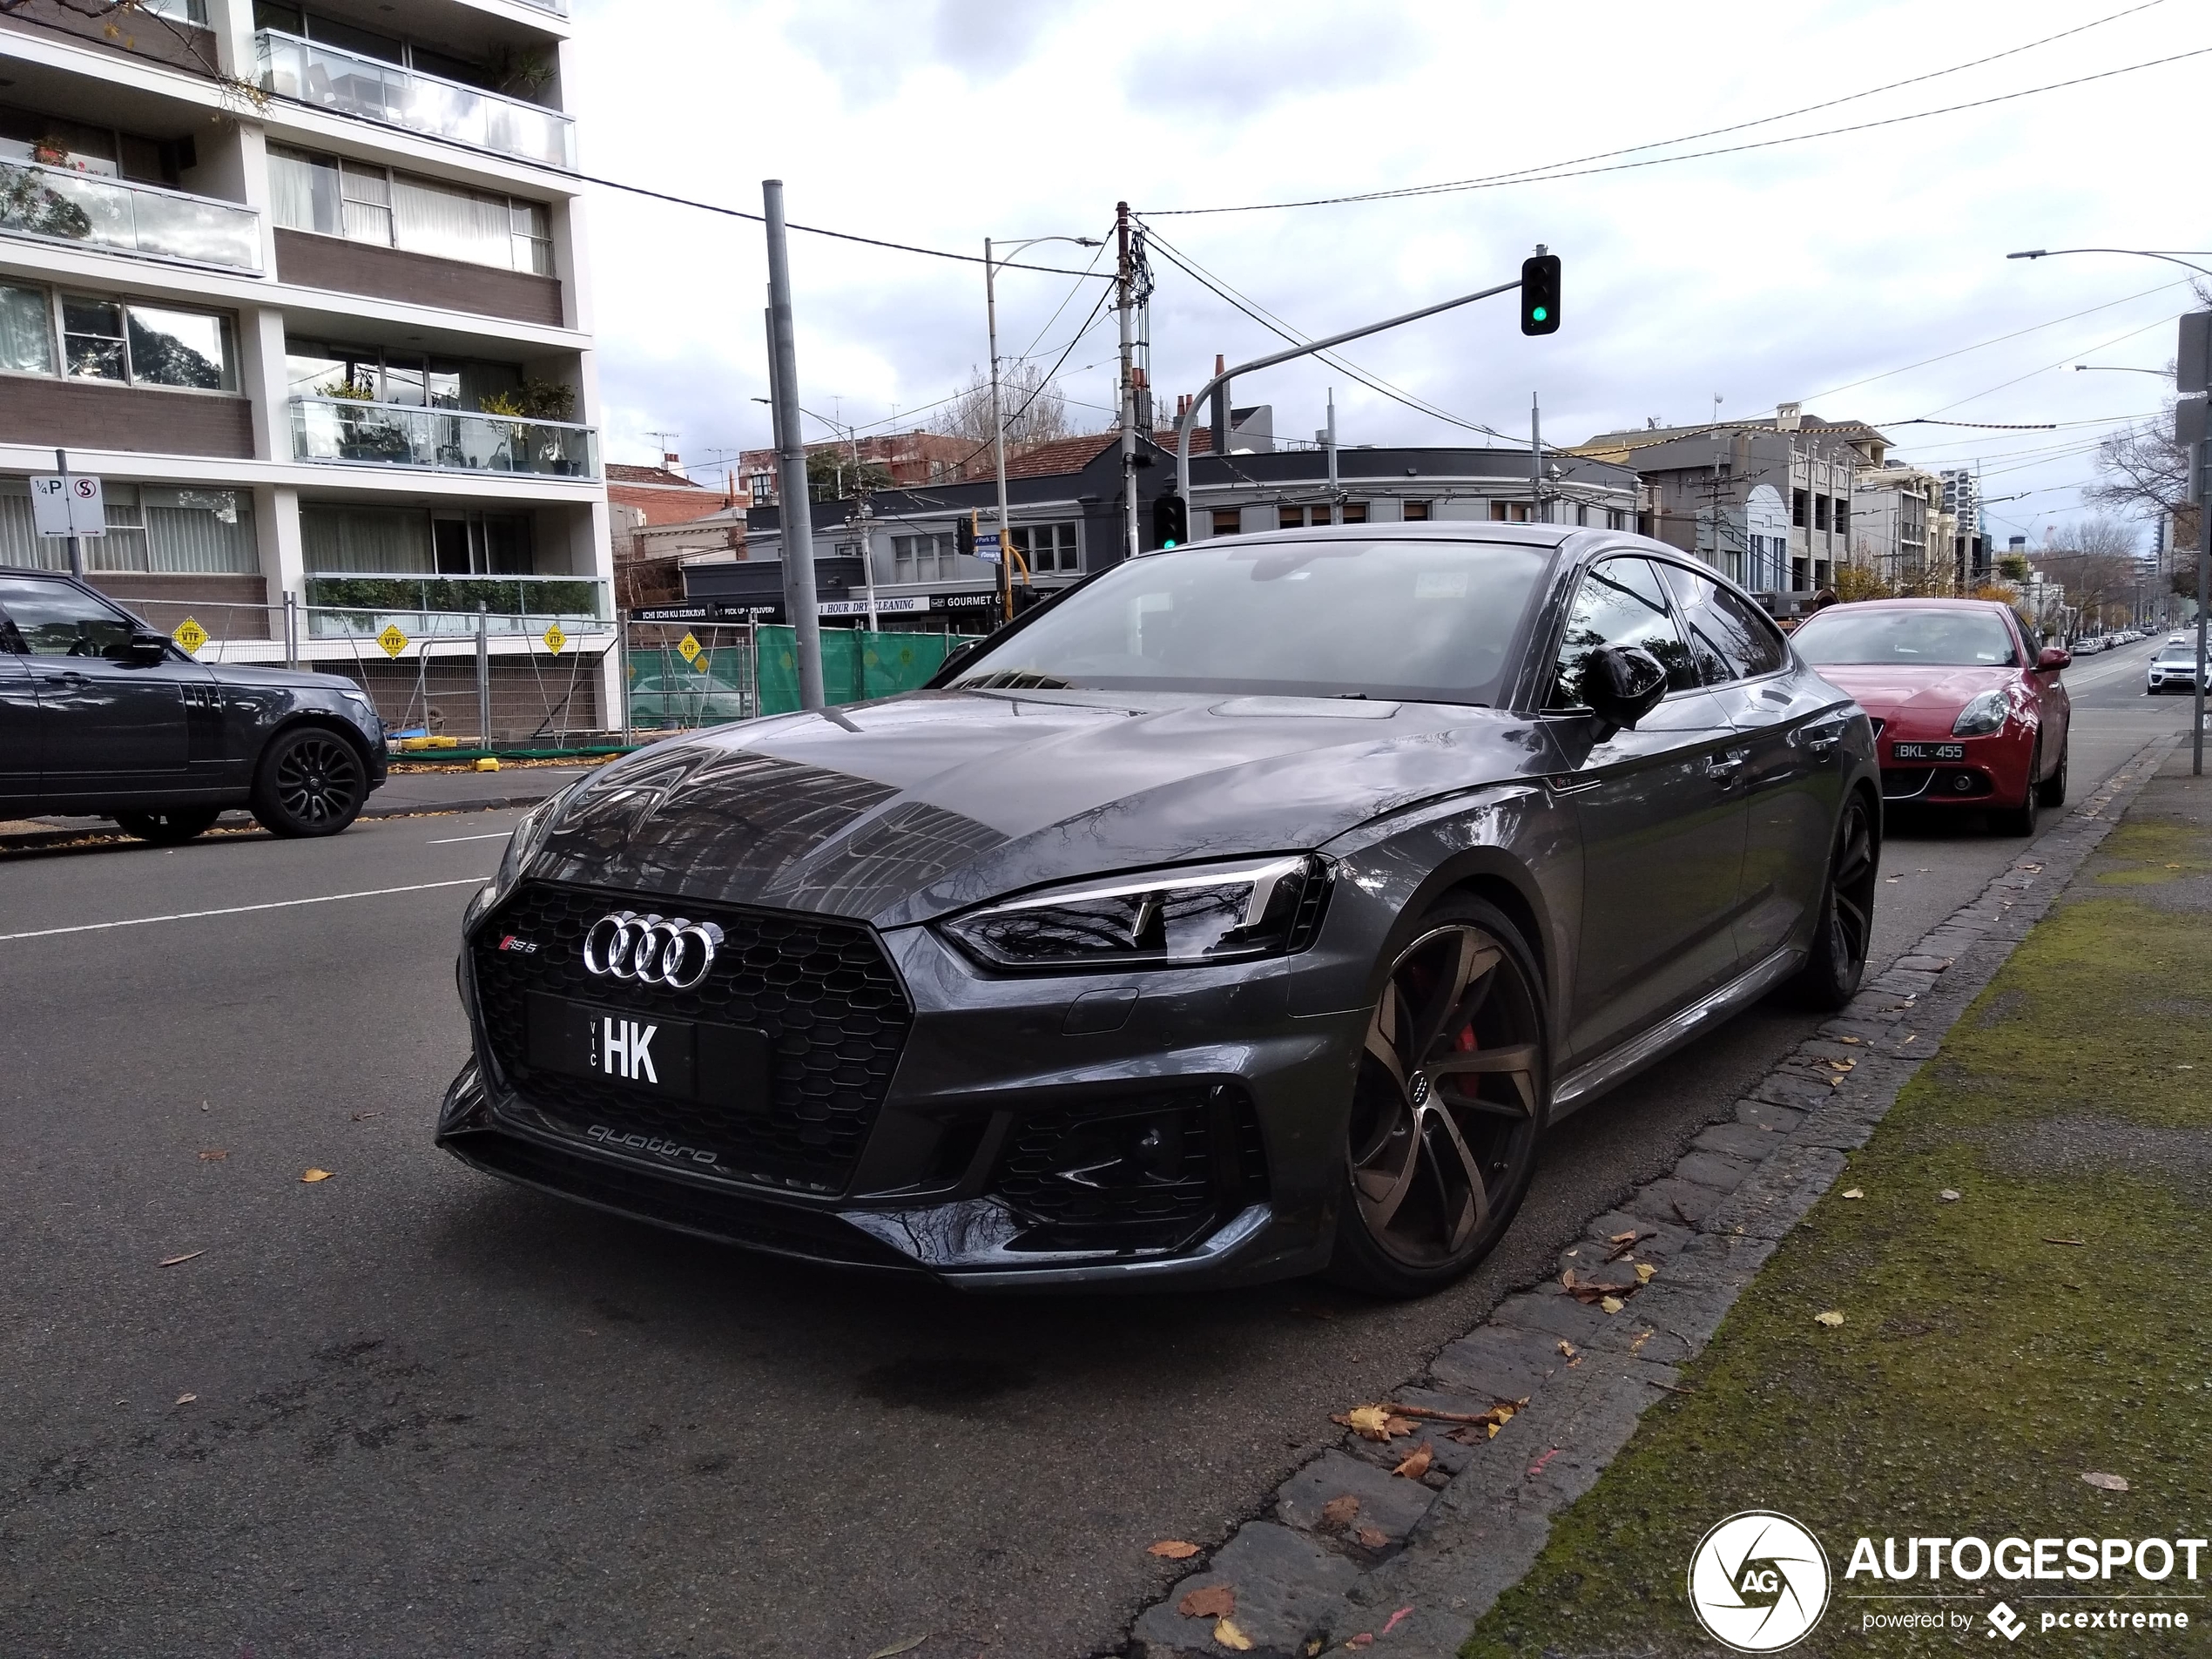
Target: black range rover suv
101, 714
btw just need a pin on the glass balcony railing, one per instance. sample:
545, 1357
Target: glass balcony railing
362, 607
61, 204
328, 78
398, 435
558, 8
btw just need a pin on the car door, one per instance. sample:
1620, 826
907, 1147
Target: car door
1790, 725
109, 725
1661, 821
18, 728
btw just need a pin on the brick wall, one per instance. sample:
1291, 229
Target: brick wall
332, 262
90, 415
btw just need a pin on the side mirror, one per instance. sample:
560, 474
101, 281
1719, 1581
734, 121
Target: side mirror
146, 650
2051, 659
1622, 683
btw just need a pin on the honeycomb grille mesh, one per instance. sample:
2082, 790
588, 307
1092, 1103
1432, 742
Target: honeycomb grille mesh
833, 1011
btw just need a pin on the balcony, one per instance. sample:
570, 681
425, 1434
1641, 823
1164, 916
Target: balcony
445, 607
347, 431
61, 204
324, 78
558, 8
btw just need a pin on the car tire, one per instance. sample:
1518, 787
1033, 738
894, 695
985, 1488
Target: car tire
1836, 960
1448, 1103
2052, 790
2021, 819
310, 781
168, 828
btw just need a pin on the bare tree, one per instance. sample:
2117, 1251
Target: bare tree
2096, 561
1035, 411
2142, 471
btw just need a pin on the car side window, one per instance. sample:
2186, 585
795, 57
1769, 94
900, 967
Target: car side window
54, 619
1729, 639
1620, 602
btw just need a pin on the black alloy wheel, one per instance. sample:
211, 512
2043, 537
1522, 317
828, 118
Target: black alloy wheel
310, 782
169, 828
2052, 790
2021, 819
1448, 1104
1838, 960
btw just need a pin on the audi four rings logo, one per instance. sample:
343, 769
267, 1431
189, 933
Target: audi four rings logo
653, 950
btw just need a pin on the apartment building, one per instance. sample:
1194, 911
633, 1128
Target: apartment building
304, 286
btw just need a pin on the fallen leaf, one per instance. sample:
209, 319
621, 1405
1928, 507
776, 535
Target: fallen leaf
1397, 1618
1229, 1635
1374, 1422
1373, 1537
1337, 1512
1831, 1318
1575, 1252
1215, 1602
1627, 1238
1612, 1304
1417, 1466
1856, 1192
187, 1400
1365, 1639
1567, 1348
898, 1648
1623, 1243
215, 1157
1171, 1549
1949, 1195
2107, 1482
316, 1175
1641, 1337
172, 1260
1645, 1271
1849, 1039
363, 1117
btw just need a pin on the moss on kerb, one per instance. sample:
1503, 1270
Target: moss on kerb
1980, 1371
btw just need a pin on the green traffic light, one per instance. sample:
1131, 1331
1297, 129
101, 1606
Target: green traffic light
1540, 312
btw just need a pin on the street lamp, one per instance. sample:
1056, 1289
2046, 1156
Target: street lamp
2122, 369
998, 417
2137, 253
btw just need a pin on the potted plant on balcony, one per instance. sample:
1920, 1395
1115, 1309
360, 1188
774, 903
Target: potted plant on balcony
365, 434
536, 450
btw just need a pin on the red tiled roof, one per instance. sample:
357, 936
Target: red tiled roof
1059, 455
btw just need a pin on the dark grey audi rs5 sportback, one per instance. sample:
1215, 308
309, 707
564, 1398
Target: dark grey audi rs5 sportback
1247, 910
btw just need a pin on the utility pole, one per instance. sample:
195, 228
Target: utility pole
1131, 545
2204, 593
1535, 460
790, 457
1330, 436
76, 547
998, 438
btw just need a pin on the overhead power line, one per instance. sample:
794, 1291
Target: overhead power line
1570, 170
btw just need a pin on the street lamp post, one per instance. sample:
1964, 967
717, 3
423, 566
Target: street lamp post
998, 413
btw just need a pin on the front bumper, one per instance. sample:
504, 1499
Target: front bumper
1175, 1127
1993, 770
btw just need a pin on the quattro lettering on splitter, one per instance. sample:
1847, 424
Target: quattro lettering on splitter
634, 1142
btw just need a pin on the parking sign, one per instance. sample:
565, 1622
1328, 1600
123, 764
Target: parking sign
67, 506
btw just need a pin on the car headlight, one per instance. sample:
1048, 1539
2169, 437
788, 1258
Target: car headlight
1981, 717
1221, 912
529, 835
364, 707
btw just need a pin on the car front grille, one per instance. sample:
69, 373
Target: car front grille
834, 1014
1142, 1171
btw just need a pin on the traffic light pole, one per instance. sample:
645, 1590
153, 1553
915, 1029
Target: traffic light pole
2204, 592
797, 500
1186, 420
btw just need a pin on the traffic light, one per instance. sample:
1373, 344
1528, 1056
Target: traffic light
1540, 294
1171, 520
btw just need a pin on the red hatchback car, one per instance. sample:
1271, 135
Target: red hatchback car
1967, 712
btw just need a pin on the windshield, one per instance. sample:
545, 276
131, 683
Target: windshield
1932, 638
1421, 621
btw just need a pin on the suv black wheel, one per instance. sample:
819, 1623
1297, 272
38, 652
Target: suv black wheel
167, 829
1838, 959
1448, 1106
310, 782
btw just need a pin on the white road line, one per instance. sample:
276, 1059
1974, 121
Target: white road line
240, 910
451, 840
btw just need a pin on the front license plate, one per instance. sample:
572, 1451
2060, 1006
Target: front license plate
1928, 751
725, 1065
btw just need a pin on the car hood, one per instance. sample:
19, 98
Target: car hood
899, 811
1892, 691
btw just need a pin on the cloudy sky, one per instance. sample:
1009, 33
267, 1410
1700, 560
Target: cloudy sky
1828, 271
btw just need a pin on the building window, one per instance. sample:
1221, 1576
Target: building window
410, 541
1799, 510
365, 203
1497, 512
319, 368
1416, 512
1290, 518
924, 558
1226, 521
1353, 512
1050, 550
112, 340
1843, 516
149, 529
762, 486
1820, 512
